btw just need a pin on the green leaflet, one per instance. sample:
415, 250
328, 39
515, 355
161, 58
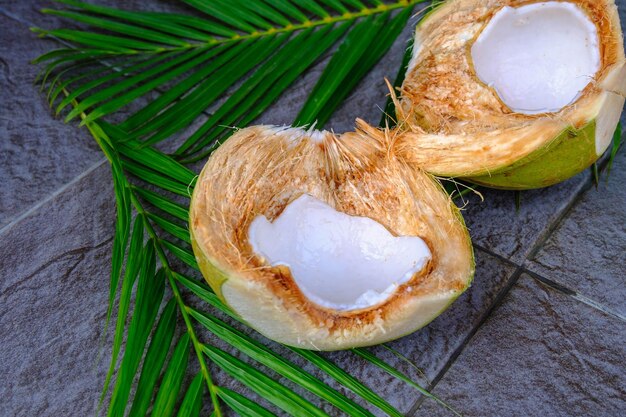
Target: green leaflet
172, 380
385, 37
348, 381
155, 358
133, 263
162, 203
241, 405
192, 402
150, 290
265, 356
351, 49
370, 357
270, 81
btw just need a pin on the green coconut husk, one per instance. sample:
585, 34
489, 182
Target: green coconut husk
484, 141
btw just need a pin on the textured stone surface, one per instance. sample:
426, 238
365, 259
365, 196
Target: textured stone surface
38, 153
496, 225
53, 299
586, 252
540, 354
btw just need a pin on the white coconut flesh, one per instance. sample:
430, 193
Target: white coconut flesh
538, 57
338, 261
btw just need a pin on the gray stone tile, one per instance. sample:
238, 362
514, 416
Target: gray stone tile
541, 354
38, 153
497, 226
53, 297
586, 252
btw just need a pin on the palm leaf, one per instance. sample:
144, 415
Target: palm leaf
364, 353
265, 356
171, 70
270, 42
133, 261
149, 295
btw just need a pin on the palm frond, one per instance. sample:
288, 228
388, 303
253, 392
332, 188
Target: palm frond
191, 62
274, 392
150, 290
248, 346
171, 70
133, 262
263, 355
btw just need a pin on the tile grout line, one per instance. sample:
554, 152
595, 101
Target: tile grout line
15, 17
556, 285
554, 225
18, 218
574, 294
497, 256
586, 187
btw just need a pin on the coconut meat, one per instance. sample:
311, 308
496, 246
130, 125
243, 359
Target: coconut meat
538, 57
338, 261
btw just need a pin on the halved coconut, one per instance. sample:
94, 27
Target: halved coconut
327, 242
513, 94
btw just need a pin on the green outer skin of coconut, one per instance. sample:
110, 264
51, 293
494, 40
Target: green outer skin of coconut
570, 153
